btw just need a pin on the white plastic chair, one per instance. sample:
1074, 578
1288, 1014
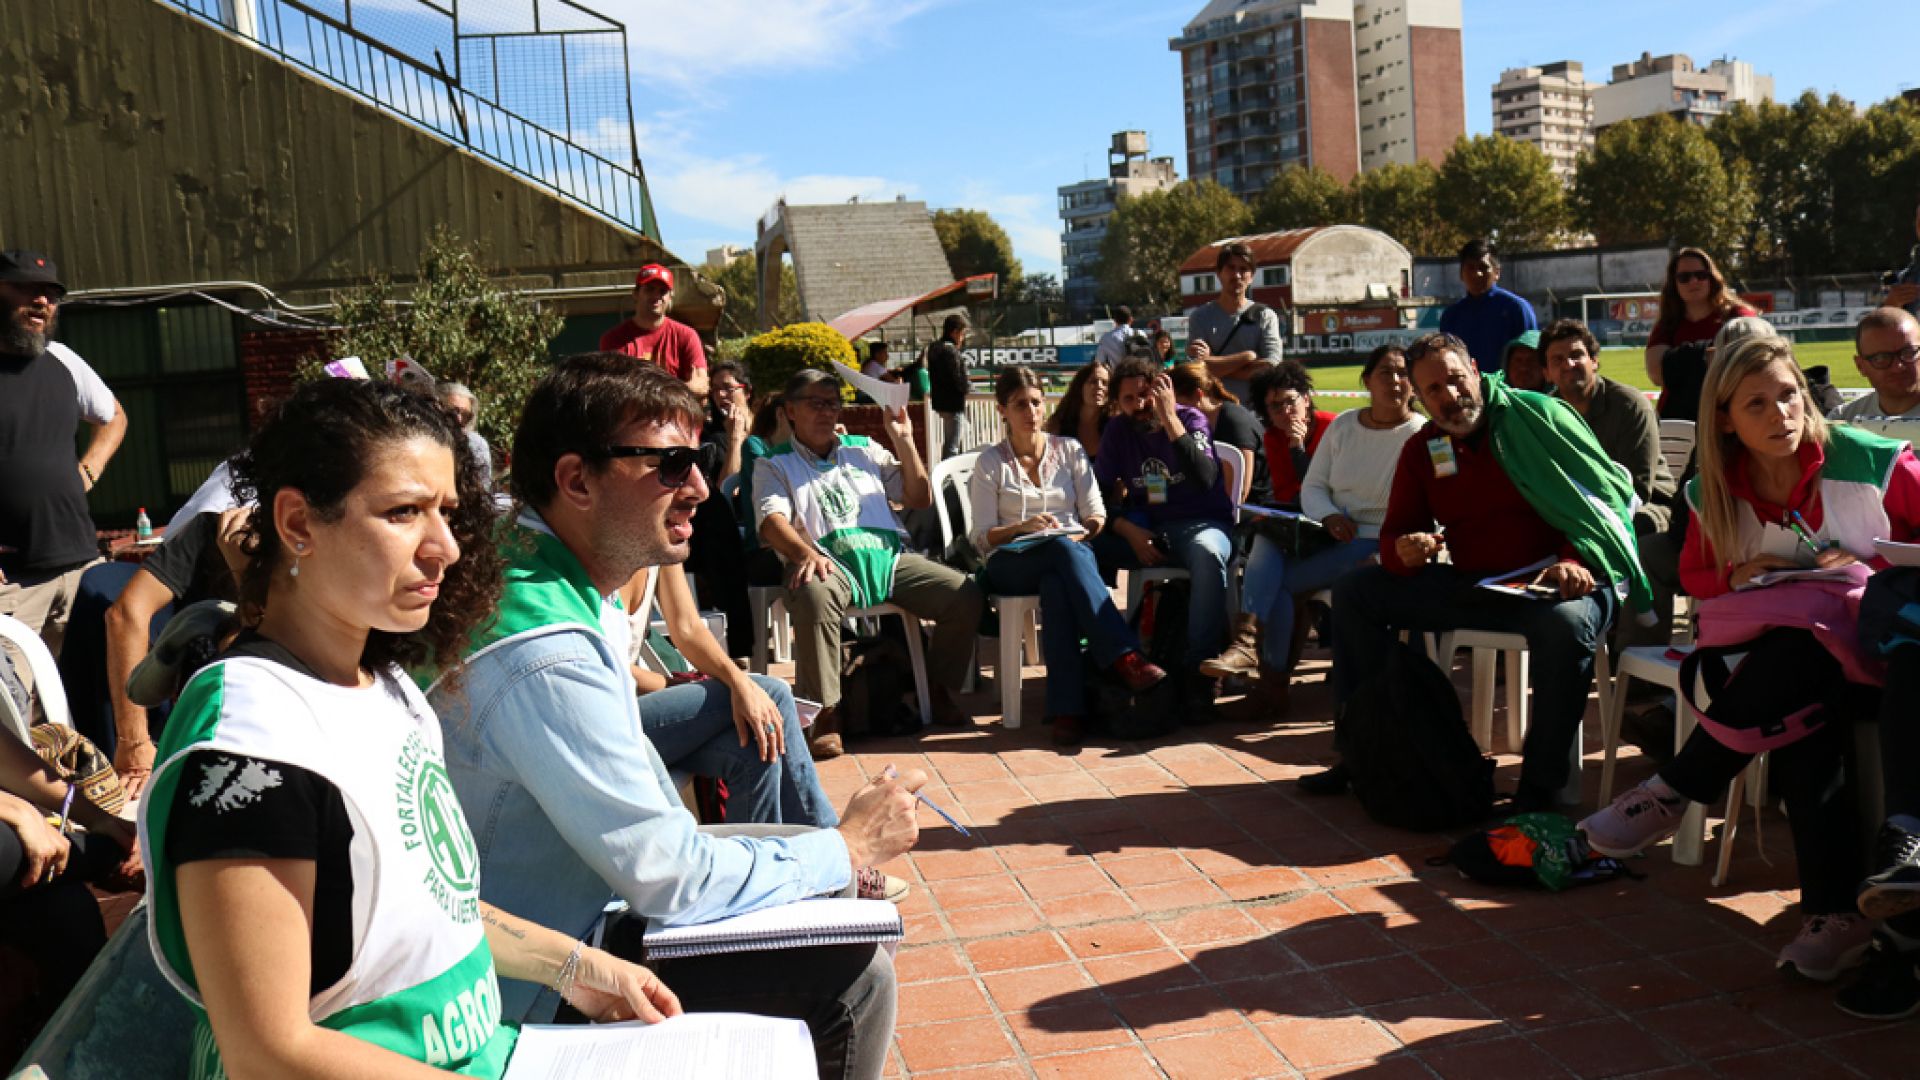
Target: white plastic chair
1651, 663
1487, 647
1019, 615
1676, 444
47, 688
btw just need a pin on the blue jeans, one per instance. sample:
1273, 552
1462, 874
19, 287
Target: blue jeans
1275, 582
1371, 603
1202, 548
691, 727
1074, 604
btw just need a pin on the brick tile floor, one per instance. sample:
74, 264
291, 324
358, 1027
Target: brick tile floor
1176, 909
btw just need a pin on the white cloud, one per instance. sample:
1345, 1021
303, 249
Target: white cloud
691, 44
1032, 223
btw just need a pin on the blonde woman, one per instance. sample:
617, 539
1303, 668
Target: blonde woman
1778, 489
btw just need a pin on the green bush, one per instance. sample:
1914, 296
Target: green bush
773, 357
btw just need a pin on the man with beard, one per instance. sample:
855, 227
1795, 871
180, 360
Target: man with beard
46, 534
545, 748
1452, 489
656, 338
824, 503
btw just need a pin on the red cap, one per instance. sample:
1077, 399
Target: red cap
653, 272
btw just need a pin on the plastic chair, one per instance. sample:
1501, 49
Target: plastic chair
1676, 444
1019, 615
1487, 646
1650, 663
47, 688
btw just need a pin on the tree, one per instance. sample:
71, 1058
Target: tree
1504, 190
1040, 289
1151, 234
1300, 196
1876, 176
976, 244
458, 323
1403, 202
739, 280
1657, 180
1792, 155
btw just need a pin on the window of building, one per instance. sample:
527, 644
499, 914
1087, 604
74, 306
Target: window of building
1276, 277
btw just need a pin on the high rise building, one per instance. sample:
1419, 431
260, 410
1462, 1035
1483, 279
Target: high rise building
1550, 106
1338, 84
1086, 206
1672, 84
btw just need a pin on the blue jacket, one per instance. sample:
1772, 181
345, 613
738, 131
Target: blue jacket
569, 803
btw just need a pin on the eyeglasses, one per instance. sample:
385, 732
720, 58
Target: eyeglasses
820, 404
1881, 361
1687, 277
675, 462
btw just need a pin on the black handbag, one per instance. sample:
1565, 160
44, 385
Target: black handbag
1294, 534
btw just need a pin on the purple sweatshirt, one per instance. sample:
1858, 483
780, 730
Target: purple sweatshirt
1128, 458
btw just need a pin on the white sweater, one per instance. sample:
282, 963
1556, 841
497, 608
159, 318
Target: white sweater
1352, 471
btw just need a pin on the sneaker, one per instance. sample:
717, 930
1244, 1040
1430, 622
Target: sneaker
1895, 889
1827, 946
1138, 673
1887, 988
871, 884
1332, 781
1636, 819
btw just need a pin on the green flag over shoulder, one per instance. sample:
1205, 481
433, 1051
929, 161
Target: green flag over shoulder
1554, 459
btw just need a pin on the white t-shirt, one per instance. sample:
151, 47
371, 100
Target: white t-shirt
1866, 405
97, 403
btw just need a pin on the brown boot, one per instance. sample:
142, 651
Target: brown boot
1242, 655
823, 738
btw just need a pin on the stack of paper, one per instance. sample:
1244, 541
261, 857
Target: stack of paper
734, 1046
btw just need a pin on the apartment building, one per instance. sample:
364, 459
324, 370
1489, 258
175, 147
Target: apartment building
1673, 84
1086, 206
1550, 106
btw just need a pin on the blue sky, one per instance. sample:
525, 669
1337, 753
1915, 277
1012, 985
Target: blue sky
992, 104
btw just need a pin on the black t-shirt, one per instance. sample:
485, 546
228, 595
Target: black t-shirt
43, 504
231, 806
1236, 426
190, 565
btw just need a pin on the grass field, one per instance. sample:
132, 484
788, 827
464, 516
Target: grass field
1622, 364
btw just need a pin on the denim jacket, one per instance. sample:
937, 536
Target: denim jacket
569, 803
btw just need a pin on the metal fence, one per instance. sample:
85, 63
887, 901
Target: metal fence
538, 87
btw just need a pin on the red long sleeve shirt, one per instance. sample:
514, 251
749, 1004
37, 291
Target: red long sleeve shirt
1490, 527
1703, 575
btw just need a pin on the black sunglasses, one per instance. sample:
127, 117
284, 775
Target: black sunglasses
675, 462
1687, 277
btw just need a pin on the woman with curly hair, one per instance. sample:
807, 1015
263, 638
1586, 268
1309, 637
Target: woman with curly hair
313, 885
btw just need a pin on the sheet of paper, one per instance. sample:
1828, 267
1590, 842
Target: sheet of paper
1834, 573
731, 1045
890, 395
1897, 553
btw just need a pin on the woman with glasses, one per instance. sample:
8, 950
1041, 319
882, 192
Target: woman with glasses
314, 887
1035, 505
1694, 303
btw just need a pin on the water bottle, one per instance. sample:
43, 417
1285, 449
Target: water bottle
143, 526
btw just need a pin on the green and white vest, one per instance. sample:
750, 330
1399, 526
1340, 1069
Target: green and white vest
841, 503
421, 982
1853, 492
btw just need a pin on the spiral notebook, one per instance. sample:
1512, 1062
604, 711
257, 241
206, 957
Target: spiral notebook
803, 923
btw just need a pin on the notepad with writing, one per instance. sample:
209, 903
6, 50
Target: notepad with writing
803, 923
730, 1045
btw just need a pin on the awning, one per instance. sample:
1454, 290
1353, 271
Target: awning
867, 316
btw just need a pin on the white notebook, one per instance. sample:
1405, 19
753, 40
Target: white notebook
731, 1045
832, 921
1897, 553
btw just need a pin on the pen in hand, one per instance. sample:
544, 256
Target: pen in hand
890, 773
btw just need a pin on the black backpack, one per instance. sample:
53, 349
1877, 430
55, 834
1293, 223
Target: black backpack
1412, 761
1160, 621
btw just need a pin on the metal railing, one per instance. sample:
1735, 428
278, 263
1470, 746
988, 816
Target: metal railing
403, 82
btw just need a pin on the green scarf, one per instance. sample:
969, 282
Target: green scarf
1554, 459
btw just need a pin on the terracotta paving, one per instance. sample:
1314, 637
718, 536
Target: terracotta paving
1177, 909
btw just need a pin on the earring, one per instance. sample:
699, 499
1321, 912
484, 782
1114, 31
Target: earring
294, 570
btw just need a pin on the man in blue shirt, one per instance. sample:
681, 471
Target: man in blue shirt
1488, 316
545, 749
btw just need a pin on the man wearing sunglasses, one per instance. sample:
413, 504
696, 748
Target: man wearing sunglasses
1886, 347
546, 748
46, 391
823, 503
